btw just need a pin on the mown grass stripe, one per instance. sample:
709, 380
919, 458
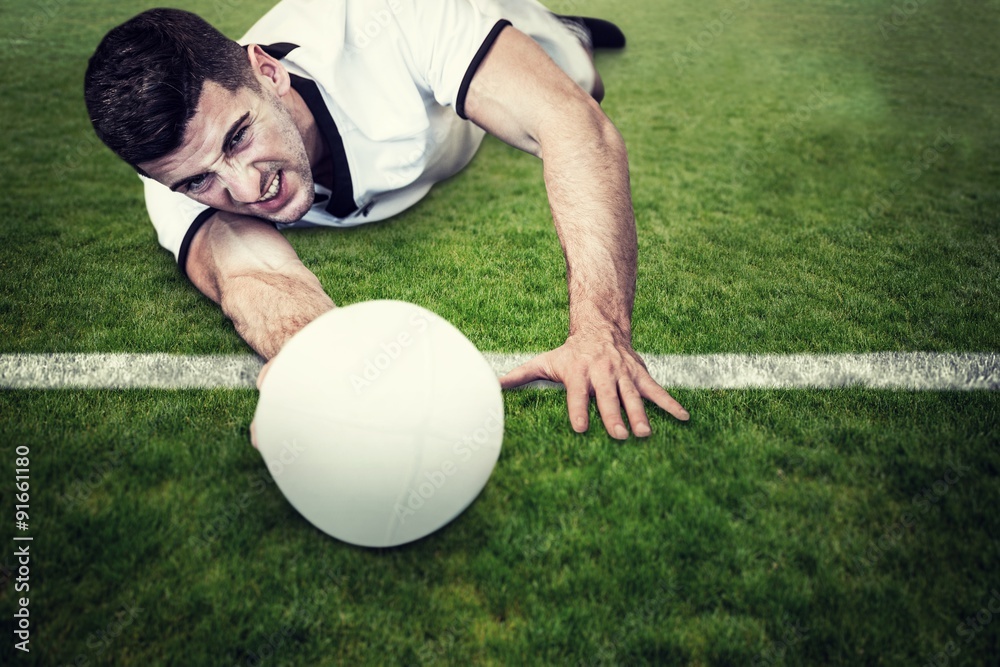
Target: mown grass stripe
922, 371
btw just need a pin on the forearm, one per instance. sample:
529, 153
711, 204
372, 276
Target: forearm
267, 307
249, 269
586, 175
520, 96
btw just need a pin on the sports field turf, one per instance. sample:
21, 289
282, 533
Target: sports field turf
815, 177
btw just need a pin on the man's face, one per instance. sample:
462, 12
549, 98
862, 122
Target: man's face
241, 153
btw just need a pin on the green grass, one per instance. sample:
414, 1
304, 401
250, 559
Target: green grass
789, 199
751, 522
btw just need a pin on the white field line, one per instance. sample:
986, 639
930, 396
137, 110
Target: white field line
884, 370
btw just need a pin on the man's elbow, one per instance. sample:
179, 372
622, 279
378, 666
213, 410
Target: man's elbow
583, 125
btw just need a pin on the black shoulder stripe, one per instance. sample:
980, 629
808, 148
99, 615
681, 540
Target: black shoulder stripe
477, 60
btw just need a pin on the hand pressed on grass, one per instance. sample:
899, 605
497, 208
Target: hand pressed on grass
609, 370
260, 380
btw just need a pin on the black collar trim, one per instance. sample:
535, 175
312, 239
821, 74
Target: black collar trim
341, 204
280, 50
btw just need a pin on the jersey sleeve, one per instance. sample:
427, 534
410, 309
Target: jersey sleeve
175, 217
447, 41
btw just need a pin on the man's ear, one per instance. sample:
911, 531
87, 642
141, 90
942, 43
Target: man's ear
269, 71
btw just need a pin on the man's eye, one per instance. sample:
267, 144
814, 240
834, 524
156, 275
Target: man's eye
197, 184
238, 137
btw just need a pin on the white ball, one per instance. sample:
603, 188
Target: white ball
380, 422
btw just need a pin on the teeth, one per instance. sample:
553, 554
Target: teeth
273, 190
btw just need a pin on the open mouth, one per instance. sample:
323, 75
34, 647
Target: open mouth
272, 191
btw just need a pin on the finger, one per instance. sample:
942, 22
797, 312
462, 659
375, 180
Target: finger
526, 372
634, 407
578, 402
263, 372
606, 393
650, 389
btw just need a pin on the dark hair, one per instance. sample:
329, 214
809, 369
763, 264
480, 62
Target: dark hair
144, 80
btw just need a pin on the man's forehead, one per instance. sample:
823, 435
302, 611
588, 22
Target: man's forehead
217, 109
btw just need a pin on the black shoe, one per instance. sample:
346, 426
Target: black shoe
603, 34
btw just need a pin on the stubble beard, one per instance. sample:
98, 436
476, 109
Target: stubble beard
302, 200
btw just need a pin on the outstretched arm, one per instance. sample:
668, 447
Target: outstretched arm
250, 270
522, 97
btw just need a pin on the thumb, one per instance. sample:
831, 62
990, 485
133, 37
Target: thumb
532, 370
263, 372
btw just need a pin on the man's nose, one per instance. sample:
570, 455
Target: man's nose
243, 183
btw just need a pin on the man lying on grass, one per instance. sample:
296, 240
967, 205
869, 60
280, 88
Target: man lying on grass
342, 113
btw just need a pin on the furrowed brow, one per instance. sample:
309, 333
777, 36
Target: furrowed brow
233, 129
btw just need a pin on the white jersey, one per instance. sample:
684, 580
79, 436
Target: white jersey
386, 82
